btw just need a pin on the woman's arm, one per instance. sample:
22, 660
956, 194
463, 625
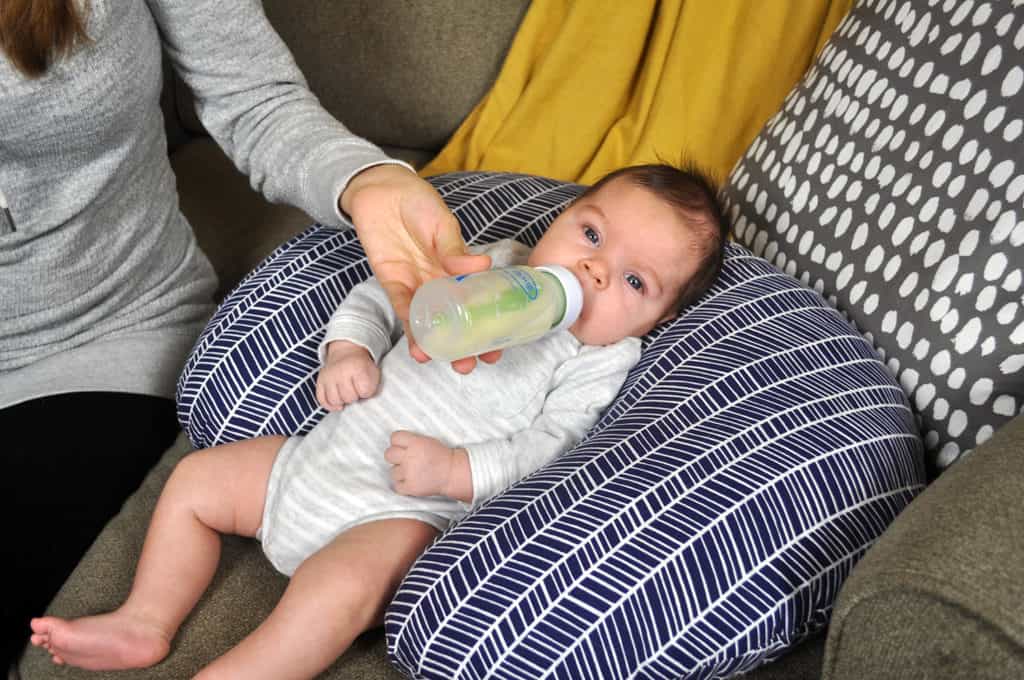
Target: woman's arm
256, 104
254, 101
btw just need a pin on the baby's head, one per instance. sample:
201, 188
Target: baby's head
644, 241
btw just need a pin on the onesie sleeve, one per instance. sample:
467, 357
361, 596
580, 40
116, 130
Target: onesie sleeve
583, 387
503, 253
254, 101
366, 318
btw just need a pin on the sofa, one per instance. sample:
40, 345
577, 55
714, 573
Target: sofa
939, 595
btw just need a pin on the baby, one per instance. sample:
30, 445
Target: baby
406, 448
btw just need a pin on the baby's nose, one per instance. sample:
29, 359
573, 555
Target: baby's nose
597, 271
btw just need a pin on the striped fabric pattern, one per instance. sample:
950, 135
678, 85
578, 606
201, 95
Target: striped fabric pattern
704, 524
253, 369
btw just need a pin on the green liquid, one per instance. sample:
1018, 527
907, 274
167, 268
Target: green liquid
508, 302
508, 317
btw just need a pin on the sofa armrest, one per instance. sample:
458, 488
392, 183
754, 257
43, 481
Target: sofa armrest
942, 592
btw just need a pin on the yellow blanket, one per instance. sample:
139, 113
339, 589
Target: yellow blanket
592, 85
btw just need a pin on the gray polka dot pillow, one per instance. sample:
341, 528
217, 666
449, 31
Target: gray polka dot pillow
892, 181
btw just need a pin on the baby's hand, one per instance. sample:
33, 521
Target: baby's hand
423, 466
348, 375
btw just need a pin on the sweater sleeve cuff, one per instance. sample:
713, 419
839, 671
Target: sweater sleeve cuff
328, 184
486, 471
359, 331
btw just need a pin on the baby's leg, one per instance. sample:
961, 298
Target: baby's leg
333, 596
216, 490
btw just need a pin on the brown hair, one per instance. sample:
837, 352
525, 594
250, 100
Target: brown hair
694, 194
33, 33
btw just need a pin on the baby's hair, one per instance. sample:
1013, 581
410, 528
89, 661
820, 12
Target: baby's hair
694, 194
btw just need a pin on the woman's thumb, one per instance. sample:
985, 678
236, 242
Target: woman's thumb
465, 264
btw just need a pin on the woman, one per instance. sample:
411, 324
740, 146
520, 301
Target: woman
103, 287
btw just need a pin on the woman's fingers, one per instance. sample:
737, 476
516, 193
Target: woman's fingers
399, 295
464, 366
490, 357
465, 264
414, 349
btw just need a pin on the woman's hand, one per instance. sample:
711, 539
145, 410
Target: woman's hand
410, 236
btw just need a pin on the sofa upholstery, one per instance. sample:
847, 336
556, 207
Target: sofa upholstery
938, 596
941, 595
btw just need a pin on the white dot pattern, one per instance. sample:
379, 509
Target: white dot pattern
895, 176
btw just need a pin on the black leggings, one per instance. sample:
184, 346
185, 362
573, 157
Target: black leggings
67, 463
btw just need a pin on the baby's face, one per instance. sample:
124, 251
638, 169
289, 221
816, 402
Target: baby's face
632, 253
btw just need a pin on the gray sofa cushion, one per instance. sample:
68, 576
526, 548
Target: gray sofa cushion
399, 73
941, 593
892, 181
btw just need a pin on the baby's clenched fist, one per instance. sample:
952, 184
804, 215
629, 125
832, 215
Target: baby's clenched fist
348, 375
424, 466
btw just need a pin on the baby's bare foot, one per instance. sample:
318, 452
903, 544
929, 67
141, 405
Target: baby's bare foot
98, 643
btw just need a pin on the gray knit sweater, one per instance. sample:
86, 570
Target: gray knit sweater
102, 286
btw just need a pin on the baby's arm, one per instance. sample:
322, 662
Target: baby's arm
425, 466
363, 328
347, 375
584, 386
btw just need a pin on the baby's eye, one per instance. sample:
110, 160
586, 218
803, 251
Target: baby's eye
634, 281
591, 235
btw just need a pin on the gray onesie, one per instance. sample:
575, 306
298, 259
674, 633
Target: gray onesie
512, 417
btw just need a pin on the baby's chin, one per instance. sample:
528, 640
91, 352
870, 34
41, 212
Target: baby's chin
588, 336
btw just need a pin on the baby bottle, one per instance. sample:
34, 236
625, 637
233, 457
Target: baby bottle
466, 315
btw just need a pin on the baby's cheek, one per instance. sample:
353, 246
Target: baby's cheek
603, 329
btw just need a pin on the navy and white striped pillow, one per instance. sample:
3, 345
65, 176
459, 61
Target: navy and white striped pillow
704, 525
253, 369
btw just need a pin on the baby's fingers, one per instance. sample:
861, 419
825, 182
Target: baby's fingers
394, 455
323, 397
405, 438
365, 383
347, 390
398, 479
335, 401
